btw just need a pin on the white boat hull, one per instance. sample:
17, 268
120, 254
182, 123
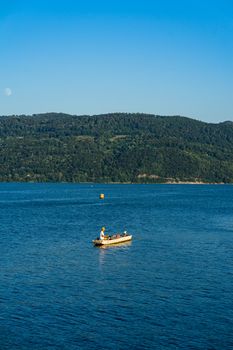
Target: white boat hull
112, 241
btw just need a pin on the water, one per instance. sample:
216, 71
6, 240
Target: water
171, 288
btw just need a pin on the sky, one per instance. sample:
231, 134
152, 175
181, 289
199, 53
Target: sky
166, 57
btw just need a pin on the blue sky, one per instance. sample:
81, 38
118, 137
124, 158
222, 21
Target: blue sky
88, 57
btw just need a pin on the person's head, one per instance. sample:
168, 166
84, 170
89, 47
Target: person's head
103, 229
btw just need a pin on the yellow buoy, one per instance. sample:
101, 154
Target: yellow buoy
101, 196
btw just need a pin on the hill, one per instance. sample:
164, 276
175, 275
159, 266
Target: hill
116, 147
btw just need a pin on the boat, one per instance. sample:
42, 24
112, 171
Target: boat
114, 239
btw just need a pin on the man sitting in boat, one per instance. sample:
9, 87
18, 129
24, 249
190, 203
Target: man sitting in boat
113, 239
102, 233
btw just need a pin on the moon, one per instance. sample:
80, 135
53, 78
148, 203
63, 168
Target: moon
7, 92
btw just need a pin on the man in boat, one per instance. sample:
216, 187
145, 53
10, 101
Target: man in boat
102, 233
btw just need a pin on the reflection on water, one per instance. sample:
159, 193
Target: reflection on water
111, 249
115, 245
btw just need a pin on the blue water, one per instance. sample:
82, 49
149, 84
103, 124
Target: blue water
171, 288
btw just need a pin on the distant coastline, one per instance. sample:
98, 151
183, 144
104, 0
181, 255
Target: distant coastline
121, 183
117, 183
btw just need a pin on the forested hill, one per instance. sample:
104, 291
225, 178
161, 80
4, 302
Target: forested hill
114, 148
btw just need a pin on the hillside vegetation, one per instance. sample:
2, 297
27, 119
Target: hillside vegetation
114, 148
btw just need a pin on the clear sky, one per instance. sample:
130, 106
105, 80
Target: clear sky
95, 56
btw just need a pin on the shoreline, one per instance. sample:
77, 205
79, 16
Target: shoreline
119, 183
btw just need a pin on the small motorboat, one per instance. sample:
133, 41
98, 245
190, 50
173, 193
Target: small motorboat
114, 239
